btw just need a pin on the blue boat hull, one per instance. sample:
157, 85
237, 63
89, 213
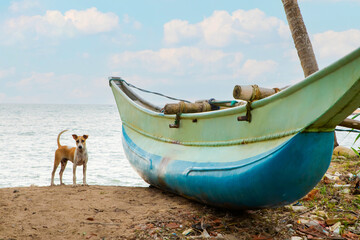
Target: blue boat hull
271, 179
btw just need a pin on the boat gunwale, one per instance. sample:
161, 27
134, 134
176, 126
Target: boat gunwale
240, 109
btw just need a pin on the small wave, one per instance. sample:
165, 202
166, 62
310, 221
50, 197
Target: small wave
26, 133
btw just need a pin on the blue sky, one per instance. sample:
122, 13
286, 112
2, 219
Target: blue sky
63, 51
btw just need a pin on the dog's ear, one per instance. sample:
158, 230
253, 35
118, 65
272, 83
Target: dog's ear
75, 136
85, 136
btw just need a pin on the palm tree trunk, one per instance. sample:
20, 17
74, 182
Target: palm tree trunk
301, 40
301, 37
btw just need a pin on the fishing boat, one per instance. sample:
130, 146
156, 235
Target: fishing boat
271, 159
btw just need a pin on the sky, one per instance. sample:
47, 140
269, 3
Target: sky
62, 52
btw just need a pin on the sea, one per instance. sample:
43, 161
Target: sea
28, 136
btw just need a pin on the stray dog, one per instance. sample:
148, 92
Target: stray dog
77, 155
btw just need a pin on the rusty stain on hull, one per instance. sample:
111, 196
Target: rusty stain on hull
162, 170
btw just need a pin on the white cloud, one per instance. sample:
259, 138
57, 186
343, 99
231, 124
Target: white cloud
85, 55
35, 79
195, 63
191, 73
129, 20
333, 45
49, 87
6, 72
123, 39
19, 6
126, 18
56, 24
178, 30
223, 28
137, 25
253, 69
92, 21
80, 93
178, 61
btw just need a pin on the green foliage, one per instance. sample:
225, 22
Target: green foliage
358, 136
356, 115
356, 151
357, 201
323, 190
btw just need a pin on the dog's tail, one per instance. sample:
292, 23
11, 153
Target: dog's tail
58, 138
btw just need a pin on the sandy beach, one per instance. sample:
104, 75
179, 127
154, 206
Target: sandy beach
110, 212
86, 212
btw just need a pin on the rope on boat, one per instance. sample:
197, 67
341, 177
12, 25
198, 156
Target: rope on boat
255, 93
147, 91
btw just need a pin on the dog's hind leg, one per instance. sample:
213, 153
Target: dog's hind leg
63, 165
56, 164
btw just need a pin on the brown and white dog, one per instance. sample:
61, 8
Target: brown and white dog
77, 155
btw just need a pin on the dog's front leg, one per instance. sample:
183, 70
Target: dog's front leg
84, 174
74, 174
